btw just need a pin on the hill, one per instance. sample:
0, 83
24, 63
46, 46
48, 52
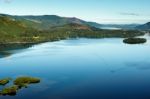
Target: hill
35, 29
144, 26
45, 22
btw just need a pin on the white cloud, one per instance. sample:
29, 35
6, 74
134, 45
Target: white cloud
130, 14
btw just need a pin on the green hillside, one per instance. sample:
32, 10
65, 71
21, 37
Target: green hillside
10, 29
35, 29
45, 22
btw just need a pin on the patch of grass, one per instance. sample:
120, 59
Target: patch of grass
24, 81
4, 81
134, 40
9, 90
18, 83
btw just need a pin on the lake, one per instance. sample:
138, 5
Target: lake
81, 69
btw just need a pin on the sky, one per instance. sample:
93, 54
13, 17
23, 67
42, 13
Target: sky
101, 11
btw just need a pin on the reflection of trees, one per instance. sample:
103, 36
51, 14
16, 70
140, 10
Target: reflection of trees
6, 47
4, 54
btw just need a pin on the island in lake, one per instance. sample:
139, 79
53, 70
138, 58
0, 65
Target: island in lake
19, 83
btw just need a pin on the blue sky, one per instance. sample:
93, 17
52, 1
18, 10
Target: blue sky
101, 11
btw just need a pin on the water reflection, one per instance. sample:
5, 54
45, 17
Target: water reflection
4, 54
6, 49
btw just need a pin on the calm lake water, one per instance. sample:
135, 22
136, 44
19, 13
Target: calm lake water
81, 69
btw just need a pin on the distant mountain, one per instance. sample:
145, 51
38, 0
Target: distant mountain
45, 22
144, 26
94, 24
119, 26
48, 21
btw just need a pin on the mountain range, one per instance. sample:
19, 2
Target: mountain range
144, 26
48, 21
26, 29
